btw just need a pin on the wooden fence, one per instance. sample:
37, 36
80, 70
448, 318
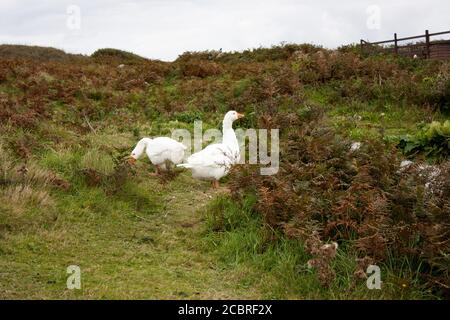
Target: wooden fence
427, 49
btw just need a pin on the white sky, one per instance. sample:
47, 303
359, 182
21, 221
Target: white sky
164, 29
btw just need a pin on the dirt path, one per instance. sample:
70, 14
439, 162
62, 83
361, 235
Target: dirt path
121, 256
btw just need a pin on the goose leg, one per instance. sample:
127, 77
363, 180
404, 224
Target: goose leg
157, 171
168, 165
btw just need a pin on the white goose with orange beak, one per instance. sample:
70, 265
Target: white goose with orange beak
216, 160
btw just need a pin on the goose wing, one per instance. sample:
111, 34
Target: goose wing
214, 155
163, 144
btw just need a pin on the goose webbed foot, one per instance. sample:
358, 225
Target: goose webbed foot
157, 172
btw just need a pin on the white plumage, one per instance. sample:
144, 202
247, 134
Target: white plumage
160, 151
212, 163
215, 161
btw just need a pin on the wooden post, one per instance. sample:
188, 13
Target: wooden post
395, 44
361, 45
427, 41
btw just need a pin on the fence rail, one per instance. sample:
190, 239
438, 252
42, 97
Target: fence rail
428, 49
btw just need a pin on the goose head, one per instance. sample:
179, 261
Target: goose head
230, 117
137, 152
131, 160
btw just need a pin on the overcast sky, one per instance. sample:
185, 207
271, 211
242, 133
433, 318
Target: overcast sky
164, 29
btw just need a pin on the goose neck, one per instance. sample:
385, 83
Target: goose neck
227, 125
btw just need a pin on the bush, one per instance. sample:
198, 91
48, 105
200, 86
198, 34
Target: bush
433, 141
196, 65
13, 52
108, 55
359, 198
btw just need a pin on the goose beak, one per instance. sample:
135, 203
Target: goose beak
240, 115
131, 160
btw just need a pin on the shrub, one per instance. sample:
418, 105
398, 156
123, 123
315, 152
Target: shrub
189, 116
13, 52
433, 141
109, 55
356, 197
198, 64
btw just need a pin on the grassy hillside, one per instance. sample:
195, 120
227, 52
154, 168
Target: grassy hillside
68, 197
10, 51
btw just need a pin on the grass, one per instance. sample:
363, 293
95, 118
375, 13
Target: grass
142, 243
66, 200
153, 240
158, 241
364, 119
280, 268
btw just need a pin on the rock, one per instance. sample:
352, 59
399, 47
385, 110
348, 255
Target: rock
431, 173
355, 146
405, 164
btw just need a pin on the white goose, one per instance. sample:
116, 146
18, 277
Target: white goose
215, 161
161, 151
